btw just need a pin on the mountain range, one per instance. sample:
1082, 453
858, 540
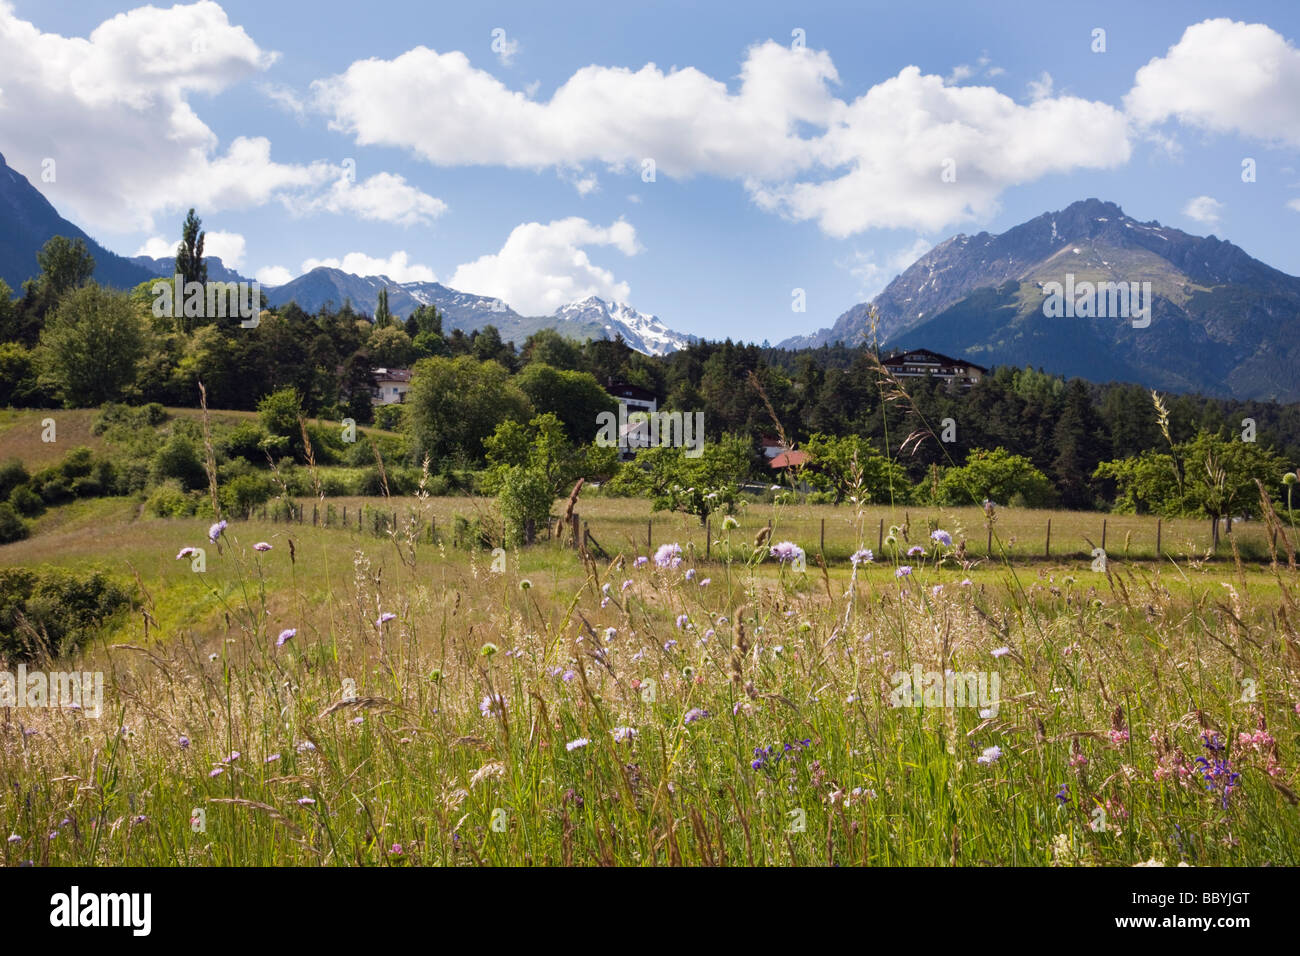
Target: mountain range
1223, 323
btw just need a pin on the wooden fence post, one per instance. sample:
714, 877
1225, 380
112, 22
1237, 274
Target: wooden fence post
314, 514
880, 538
577, 538
1047, 553
822, 546
708, 537
1103, 534
649, 540
1159, 521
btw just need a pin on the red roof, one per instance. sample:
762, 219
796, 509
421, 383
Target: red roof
790, 459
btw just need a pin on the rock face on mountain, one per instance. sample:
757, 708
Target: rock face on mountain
1222, 322
28, 221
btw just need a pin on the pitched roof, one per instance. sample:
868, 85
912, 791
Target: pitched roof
790, 459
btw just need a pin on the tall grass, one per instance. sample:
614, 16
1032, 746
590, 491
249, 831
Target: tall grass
428, 710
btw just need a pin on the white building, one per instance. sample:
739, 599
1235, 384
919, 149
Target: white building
391, 385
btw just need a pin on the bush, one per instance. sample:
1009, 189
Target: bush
390, 417
242, 494
525, 496
12, 527
244, 441
26, 502
169, 500
52, 611
179, 459
12, 474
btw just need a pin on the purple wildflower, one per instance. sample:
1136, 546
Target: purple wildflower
262, 546
285, 636
903, 571
215, 531
859, 557
668, 555
785, 551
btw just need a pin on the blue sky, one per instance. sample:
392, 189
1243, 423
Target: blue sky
411, 138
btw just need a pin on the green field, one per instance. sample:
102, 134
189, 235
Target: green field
378, 744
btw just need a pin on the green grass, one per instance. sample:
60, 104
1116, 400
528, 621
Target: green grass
1164, 651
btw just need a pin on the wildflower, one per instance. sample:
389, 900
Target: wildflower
690, 574
262, 546
569, 675
217, 772
186, 552
705, 582
729, 522
916, 551
385, 618
623, 734
641, 561
1064, 793
694, 714
941, 537
488, 649
610, 634
184, 742
233, 757
1119, 737
990, 755
626, 584
491, 705
285, 636
15, 838
272, 759
903, 571
576, 744
305, 802
669, 645
682, 621
936, 590
862, 556
396, 849
708, 634
965, 582
357, 721
785, 551
215, 531
1000, 651
1078, 760
525, 584
668, 555
305, 747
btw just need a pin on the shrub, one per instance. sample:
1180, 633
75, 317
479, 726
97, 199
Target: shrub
243, 493
51, 611
390, 417
169, 500
26, 502
12, 527
179, 459
12, 474
525, 496
244, 441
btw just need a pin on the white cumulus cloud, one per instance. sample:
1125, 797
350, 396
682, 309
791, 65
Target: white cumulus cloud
544, 266
273, 275
1224, 76
229, 247
798, 149
113, 111
397, 267
1204, 209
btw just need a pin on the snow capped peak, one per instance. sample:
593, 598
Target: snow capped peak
645, 333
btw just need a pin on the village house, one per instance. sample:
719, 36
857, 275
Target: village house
632, 399
920, 363
391, 385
